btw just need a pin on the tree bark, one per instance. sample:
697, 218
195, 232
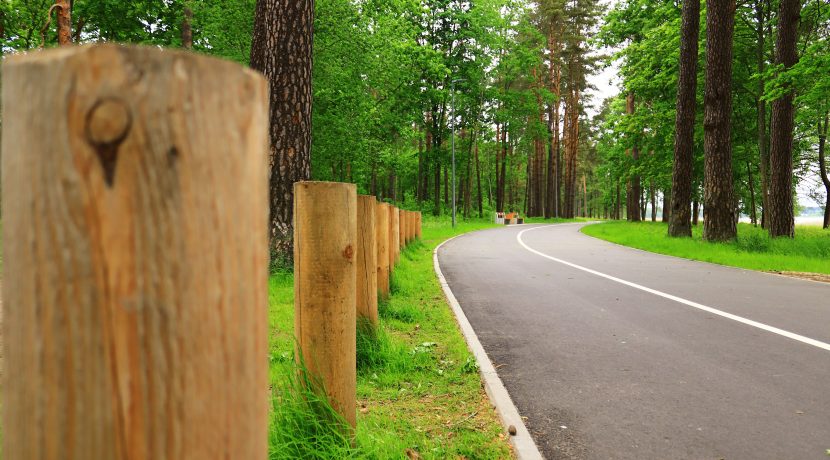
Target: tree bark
634, 211
822, 164
719, 219
752, 206
64, 16
478, 182
666, 205
187, 29
282, 50
763, 153
684, 126
781, 218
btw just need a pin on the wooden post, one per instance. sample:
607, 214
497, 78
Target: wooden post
394, 236
135, 246
412, 225
401, 229
367, 270
382, 241
419, 225
325, 238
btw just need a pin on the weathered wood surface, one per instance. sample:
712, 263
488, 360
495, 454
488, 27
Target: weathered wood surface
382, 240
367, 270
394, 237
135, 252
325, 320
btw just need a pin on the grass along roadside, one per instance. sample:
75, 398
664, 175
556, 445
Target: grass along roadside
418, 387
809, 252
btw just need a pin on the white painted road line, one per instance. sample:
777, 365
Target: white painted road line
714, 311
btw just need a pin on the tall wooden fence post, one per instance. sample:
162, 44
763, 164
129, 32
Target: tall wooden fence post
382, 241
135, 247
325, 240
394, 243
367, 270
419, 225
401, 229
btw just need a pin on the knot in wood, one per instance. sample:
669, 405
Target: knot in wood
348, 253
108, 122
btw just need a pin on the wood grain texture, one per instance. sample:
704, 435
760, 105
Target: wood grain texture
367, 270
394, 237
325, 320
382, 240
135, 243
401, 229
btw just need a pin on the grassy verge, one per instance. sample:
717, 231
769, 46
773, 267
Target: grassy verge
809, 252
418, 386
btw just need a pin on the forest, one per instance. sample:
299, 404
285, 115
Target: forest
723, 103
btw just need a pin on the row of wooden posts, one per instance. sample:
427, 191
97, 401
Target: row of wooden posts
135, 244
345, 250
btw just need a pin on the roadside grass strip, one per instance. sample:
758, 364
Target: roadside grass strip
418, 387
808, 252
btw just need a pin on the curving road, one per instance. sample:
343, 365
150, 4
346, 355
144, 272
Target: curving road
613, 352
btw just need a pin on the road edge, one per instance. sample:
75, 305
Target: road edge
523, 444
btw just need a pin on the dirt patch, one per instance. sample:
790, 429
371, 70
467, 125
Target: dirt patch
807, 276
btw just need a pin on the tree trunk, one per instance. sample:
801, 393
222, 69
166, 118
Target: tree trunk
418, 195
187, 29
667, 205
822, 164
634, 211
781, 218
653, 202
763, 153
752, 211
478, 182
719, 221
695, 212
282, 51
64, 15
684, 126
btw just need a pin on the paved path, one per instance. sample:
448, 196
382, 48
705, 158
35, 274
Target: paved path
603, 369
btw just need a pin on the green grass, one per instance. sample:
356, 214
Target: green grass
417, 386
754, 249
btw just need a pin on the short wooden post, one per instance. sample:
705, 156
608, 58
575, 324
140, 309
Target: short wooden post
394, 237
135, 246
382, 241
419, 226
367, 270
401, 229
325, 240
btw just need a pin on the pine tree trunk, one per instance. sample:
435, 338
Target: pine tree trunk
187, 29
634, 211
695, 212
419, 180
282, 51
763, 153
684, 126
478, 182
653, 202
752, 209
822, 164
781, 218
64, 13
719, 220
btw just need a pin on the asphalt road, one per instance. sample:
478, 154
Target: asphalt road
603, 369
